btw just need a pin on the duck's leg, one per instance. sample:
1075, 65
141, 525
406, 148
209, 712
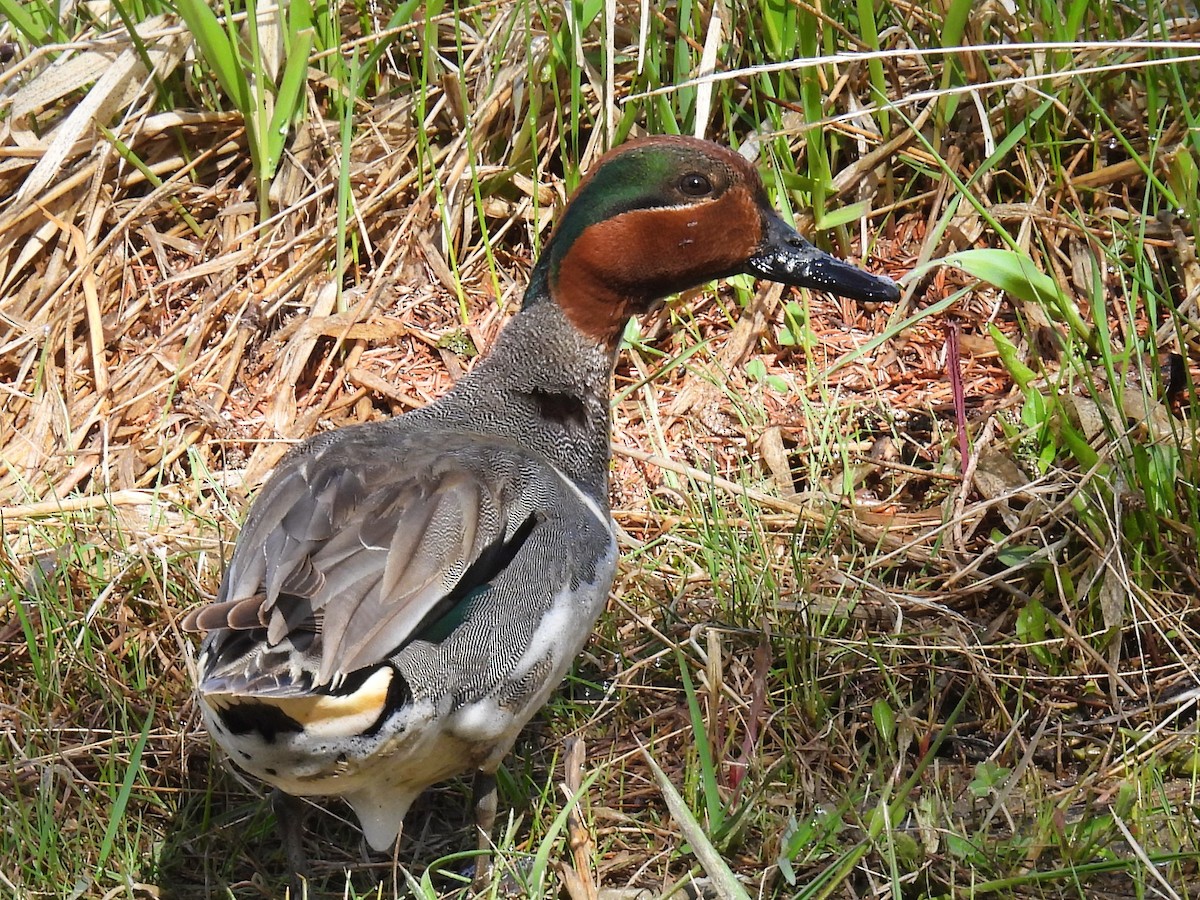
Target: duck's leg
290, 813
485, 819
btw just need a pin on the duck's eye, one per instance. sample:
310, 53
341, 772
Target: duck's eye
695, 185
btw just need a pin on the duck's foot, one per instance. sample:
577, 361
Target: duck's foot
485, 819
290, 813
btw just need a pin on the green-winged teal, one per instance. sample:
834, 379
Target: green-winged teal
405, 595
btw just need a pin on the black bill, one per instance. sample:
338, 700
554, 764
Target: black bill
786, 257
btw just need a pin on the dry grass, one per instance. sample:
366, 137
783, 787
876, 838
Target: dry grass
856, 605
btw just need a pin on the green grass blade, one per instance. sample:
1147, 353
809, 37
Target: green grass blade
151, 176
20, 17
402, 15
1017, 274
708, 769
1006, 269
289, 100
219, 50
869, 32
541, 860
724, 881
122, 799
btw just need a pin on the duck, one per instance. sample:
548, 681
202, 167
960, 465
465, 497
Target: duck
405, 595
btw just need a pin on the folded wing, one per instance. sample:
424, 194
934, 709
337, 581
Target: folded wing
354, 549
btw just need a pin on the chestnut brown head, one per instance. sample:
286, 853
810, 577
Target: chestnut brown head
662, 214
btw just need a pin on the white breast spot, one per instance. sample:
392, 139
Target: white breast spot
482, 722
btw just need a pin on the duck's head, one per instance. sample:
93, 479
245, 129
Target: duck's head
662, 214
